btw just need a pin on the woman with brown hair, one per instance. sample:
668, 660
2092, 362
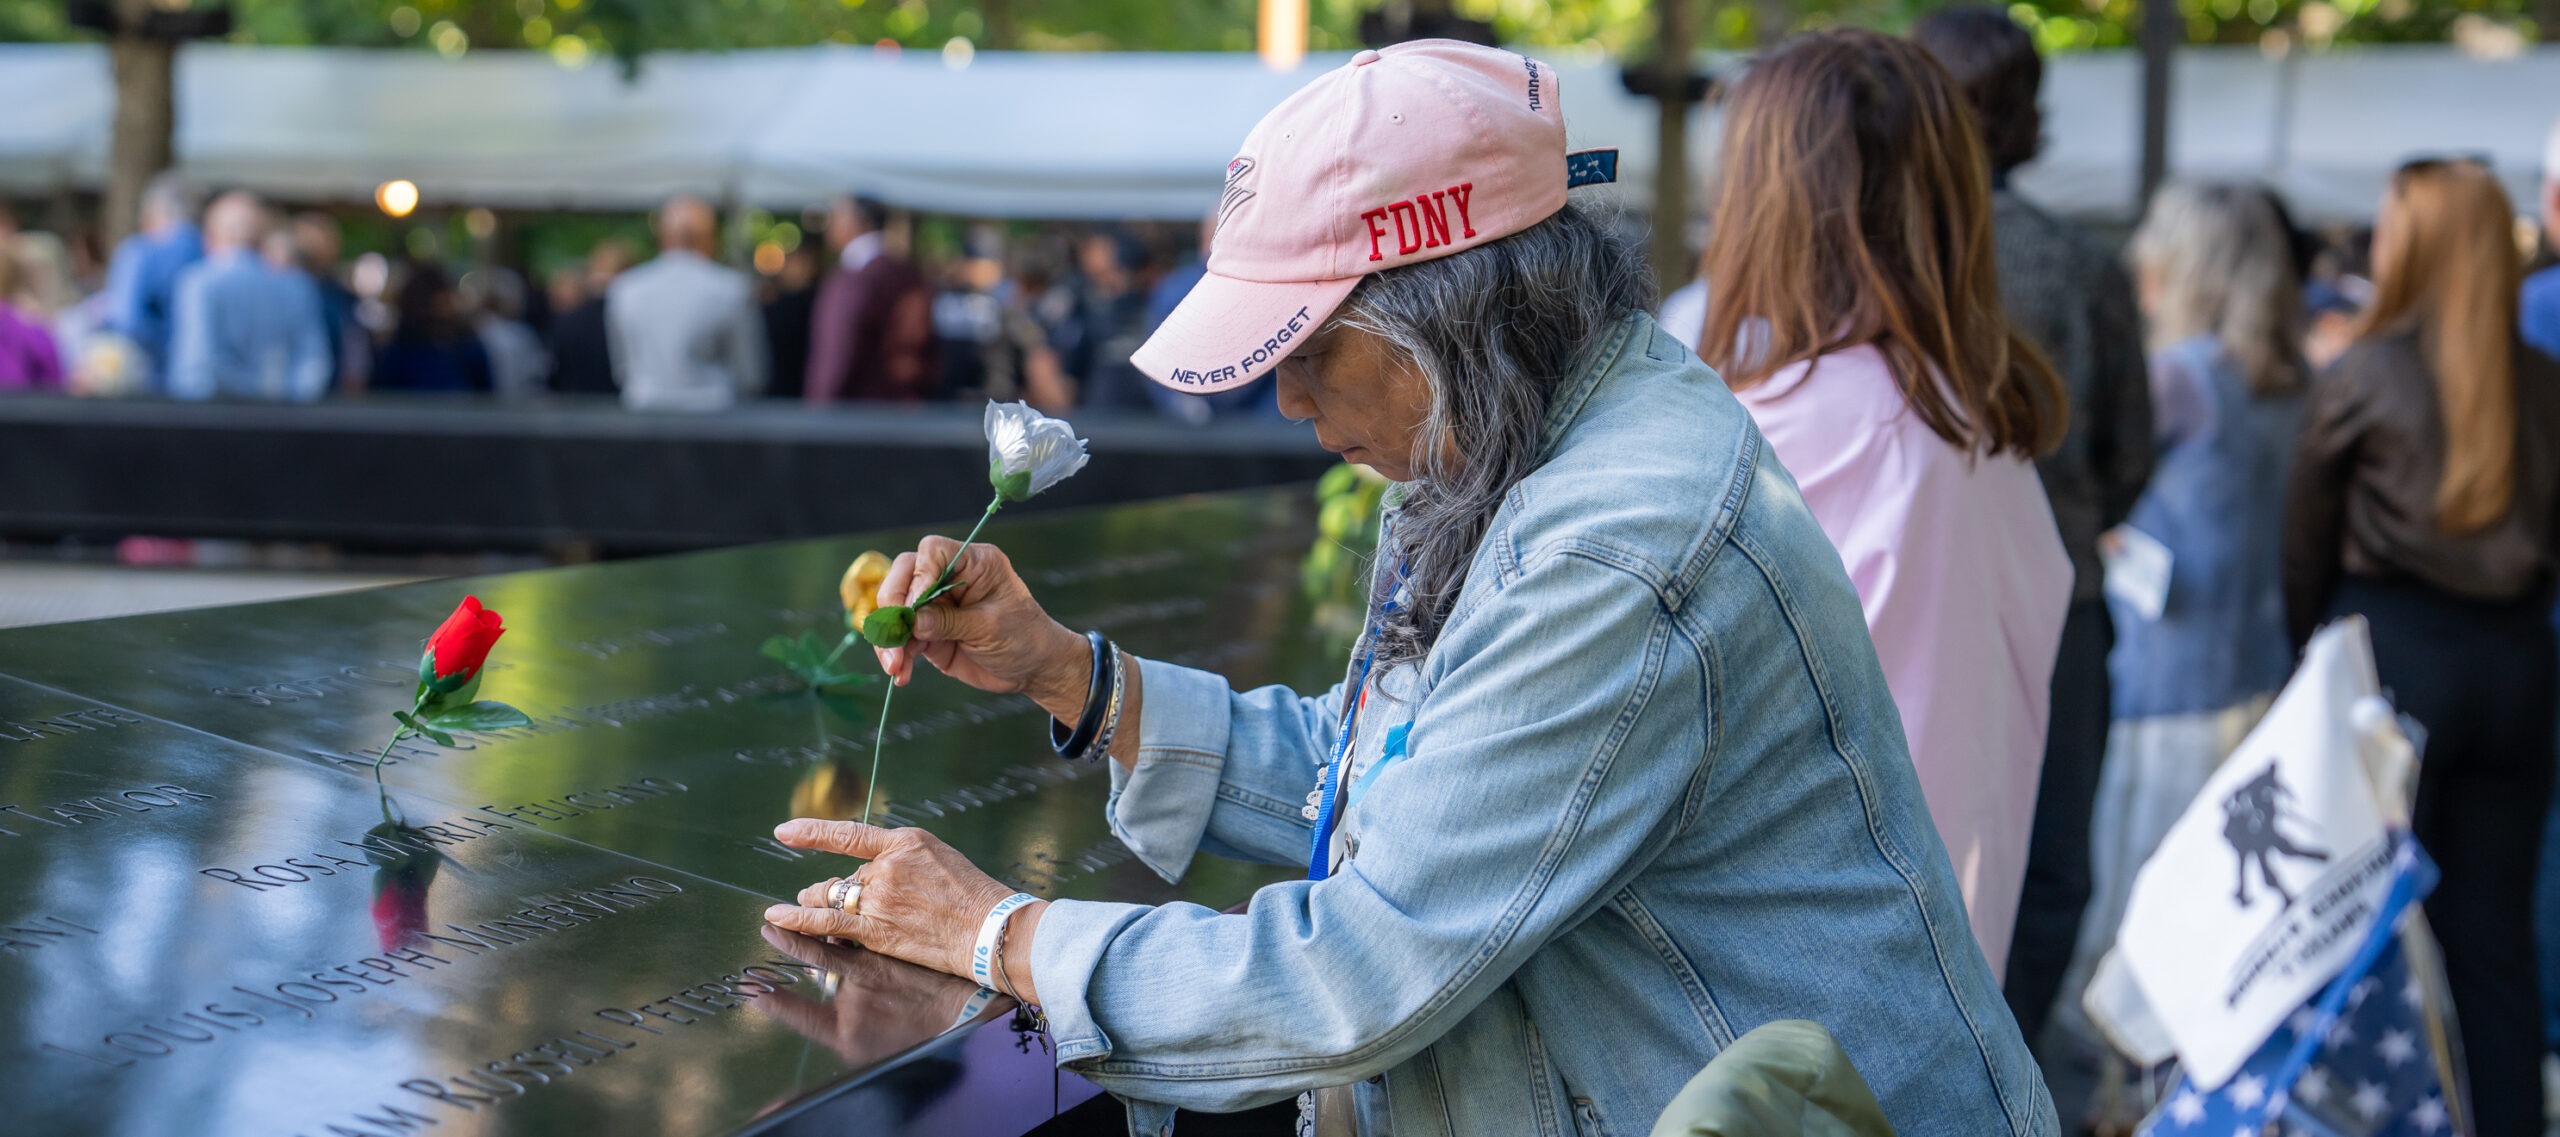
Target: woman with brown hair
2423, 497
1852, 306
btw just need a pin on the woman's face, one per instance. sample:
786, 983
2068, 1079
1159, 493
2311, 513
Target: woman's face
1365, 399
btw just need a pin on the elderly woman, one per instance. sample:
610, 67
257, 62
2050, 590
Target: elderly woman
1613, 776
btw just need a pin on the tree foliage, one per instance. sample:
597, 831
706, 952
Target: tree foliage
577, 32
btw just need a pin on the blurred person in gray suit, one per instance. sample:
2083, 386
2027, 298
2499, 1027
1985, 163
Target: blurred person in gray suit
684, 330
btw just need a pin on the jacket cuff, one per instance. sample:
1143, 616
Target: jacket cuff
1161, 808
1065, 954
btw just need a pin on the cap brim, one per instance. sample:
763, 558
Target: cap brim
1229, 332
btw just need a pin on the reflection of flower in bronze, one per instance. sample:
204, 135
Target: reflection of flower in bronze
830, 790
400, 885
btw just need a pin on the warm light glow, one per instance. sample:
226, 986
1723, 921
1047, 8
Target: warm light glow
569, 52
1283, 34
886, 48
769, 257
448, 38
957, 52
481, 224
397, 197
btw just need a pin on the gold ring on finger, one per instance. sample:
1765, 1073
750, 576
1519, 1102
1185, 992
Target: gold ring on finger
845, 895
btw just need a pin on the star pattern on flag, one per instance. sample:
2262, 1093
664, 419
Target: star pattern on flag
2312, 1087
2430, 1116
2187, 1108
2247, 1091
2370, 1101
2397, 1047
2371, 1072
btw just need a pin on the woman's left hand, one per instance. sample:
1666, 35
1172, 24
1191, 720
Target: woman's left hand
921, 900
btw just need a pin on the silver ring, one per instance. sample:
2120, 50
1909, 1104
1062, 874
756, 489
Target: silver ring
845, 895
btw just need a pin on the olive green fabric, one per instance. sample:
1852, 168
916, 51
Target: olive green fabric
1785, 1079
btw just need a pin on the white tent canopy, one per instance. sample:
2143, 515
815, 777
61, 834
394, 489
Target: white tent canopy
1122, 135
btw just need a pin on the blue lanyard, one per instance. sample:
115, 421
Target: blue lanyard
1329, 788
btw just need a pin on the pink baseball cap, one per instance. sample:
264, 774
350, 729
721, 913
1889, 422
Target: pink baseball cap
1404, 154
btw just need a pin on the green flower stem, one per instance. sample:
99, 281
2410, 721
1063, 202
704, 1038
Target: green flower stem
396, 736
993, 504
879, 735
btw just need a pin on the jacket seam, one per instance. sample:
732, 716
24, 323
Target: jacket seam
1711, 708
1259, 803
1542, 1074
1702, 1002
1737, 496
1440, 1089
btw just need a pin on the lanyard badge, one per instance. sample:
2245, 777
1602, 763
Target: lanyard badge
1325, 805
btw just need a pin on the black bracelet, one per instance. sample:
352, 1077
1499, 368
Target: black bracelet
1074, 743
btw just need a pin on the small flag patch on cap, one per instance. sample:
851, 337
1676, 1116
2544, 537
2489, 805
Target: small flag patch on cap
1590, 168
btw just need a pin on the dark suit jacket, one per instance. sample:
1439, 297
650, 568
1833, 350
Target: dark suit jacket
871, 334
580, 363
786, 332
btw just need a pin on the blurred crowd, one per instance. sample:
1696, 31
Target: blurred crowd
2268, 429
233, 299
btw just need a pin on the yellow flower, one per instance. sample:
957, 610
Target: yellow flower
861, 587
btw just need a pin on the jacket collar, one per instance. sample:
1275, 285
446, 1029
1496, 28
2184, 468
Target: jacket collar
1570, 398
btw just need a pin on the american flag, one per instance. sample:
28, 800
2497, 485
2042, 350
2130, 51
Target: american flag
2368, 1058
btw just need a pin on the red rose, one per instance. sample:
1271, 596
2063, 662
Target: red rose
460, 646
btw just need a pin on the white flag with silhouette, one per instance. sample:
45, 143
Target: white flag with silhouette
2268, 883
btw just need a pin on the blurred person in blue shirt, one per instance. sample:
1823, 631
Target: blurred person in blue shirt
242, 326
1258, 399
142, 279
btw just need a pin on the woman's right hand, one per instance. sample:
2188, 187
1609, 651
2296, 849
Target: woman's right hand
987, 631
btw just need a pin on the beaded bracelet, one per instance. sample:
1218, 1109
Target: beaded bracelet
1110, 729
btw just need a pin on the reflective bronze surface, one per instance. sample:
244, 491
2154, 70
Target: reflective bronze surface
211, 920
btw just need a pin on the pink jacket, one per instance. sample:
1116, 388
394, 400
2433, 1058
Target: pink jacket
1964, 580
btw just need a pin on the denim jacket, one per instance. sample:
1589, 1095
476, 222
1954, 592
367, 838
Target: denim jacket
1647, 792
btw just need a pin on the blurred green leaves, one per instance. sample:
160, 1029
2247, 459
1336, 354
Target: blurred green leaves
1335, 574
576, 32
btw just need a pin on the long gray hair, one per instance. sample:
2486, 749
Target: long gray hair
1494, 330
2219, 264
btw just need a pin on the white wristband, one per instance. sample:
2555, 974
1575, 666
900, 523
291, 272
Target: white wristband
969, 1010
982, 962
